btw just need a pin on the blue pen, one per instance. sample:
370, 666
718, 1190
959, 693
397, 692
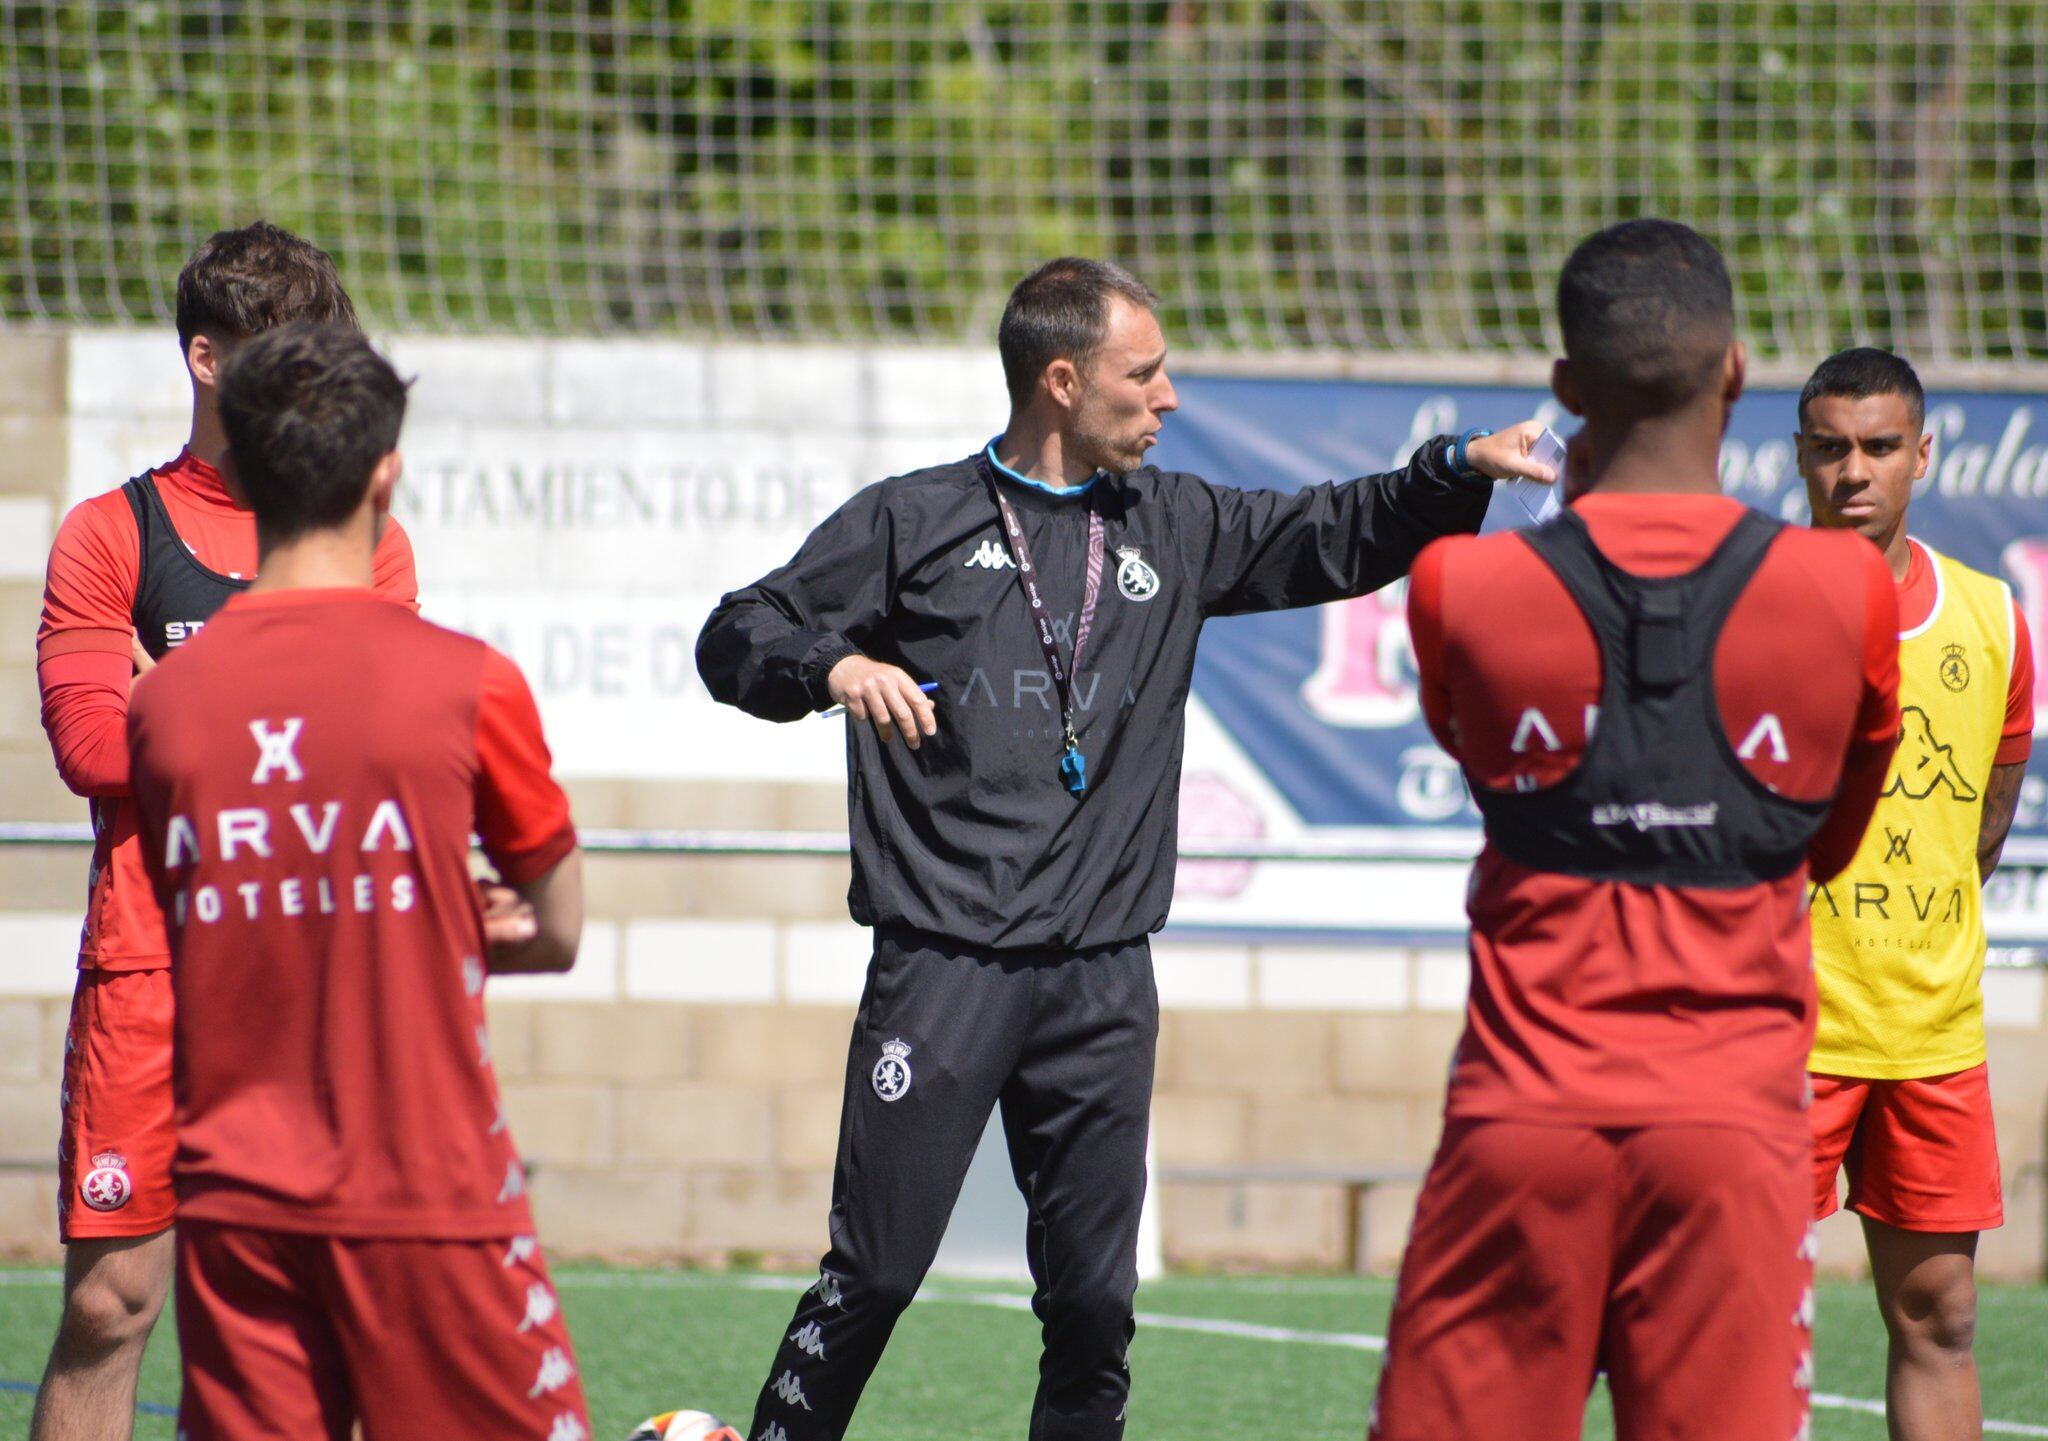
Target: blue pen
928, 687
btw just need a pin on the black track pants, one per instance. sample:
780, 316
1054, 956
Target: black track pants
1064, 1042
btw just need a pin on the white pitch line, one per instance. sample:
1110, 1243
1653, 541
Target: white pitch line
1005, 1301
1204, 1325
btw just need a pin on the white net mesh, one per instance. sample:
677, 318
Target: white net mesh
1402, 175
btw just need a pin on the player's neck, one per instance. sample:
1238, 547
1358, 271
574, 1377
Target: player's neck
341, 559
1677, 454
207, 439
1040, 453
1898, 552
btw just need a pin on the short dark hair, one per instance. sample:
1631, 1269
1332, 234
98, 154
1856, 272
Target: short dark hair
309, 411
1860, 373
240, 283
1647, 311
1060, 311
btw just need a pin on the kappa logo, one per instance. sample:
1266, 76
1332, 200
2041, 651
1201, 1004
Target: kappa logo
556, 1371
541, 1306
891, 1076
568, 1428
1924, 762
809, 1338
274, 749
829, 1293
107, 1186
1134, 578
791, 1390
520, 1250
990, 555
515, 1183
775, 1432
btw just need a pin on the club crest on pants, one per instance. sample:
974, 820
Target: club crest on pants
892, 1073
106, 1187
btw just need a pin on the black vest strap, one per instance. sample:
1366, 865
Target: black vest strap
174, 595
1659, 796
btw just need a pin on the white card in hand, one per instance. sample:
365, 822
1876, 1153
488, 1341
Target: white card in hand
1548, 450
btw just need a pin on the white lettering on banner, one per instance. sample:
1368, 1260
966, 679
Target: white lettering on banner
1968, 468
1365, 676
553, 496
1432, 787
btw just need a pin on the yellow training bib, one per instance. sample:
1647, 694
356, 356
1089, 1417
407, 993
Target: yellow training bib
1898, 938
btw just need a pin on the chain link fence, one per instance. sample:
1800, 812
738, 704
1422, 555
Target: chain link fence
1399, 176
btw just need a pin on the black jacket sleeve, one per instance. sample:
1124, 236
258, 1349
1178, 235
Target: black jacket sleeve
768, 648
1257, 550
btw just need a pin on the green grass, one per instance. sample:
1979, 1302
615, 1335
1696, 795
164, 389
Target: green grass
961, 1368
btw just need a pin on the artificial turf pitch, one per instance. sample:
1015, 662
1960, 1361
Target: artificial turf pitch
1293, 1357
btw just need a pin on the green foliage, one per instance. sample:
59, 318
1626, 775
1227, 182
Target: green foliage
1391, 174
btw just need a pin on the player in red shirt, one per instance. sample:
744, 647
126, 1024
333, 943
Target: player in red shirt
1661, 759
354, 1242
135, 572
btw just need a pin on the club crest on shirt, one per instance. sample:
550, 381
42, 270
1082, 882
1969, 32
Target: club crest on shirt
1955, 670
891, 1076
106, 1187
1136, 579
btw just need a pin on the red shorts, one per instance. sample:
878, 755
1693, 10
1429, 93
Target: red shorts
1678, 1259
302, 1336
1922, 1155
114, 1154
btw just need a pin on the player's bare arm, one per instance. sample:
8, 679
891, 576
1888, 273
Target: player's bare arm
2001, 801
554, 902
884, 694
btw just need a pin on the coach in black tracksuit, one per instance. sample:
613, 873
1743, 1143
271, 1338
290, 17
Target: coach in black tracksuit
1016, 849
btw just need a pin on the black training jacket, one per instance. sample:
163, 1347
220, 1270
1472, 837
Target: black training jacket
973, 837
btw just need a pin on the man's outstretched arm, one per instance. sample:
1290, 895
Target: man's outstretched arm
1259, 550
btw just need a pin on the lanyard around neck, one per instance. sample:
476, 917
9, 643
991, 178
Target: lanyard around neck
1073, 765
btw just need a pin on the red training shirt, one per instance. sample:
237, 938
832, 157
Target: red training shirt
1604, 1004
307, 773
84, 670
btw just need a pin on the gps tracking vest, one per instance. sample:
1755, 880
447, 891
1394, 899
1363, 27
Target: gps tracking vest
1658, 797
175, 595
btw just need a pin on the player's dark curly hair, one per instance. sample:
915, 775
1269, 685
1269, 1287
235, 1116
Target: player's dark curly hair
1860, 373
1647, 311
309, 411
1060, 311
243, 282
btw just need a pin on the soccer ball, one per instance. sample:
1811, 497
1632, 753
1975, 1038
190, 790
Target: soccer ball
684, 1426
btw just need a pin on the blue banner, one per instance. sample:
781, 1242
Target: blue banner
1323, 702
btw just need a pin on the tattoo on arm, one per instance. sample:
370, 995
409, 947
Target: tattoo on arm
2001, 800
